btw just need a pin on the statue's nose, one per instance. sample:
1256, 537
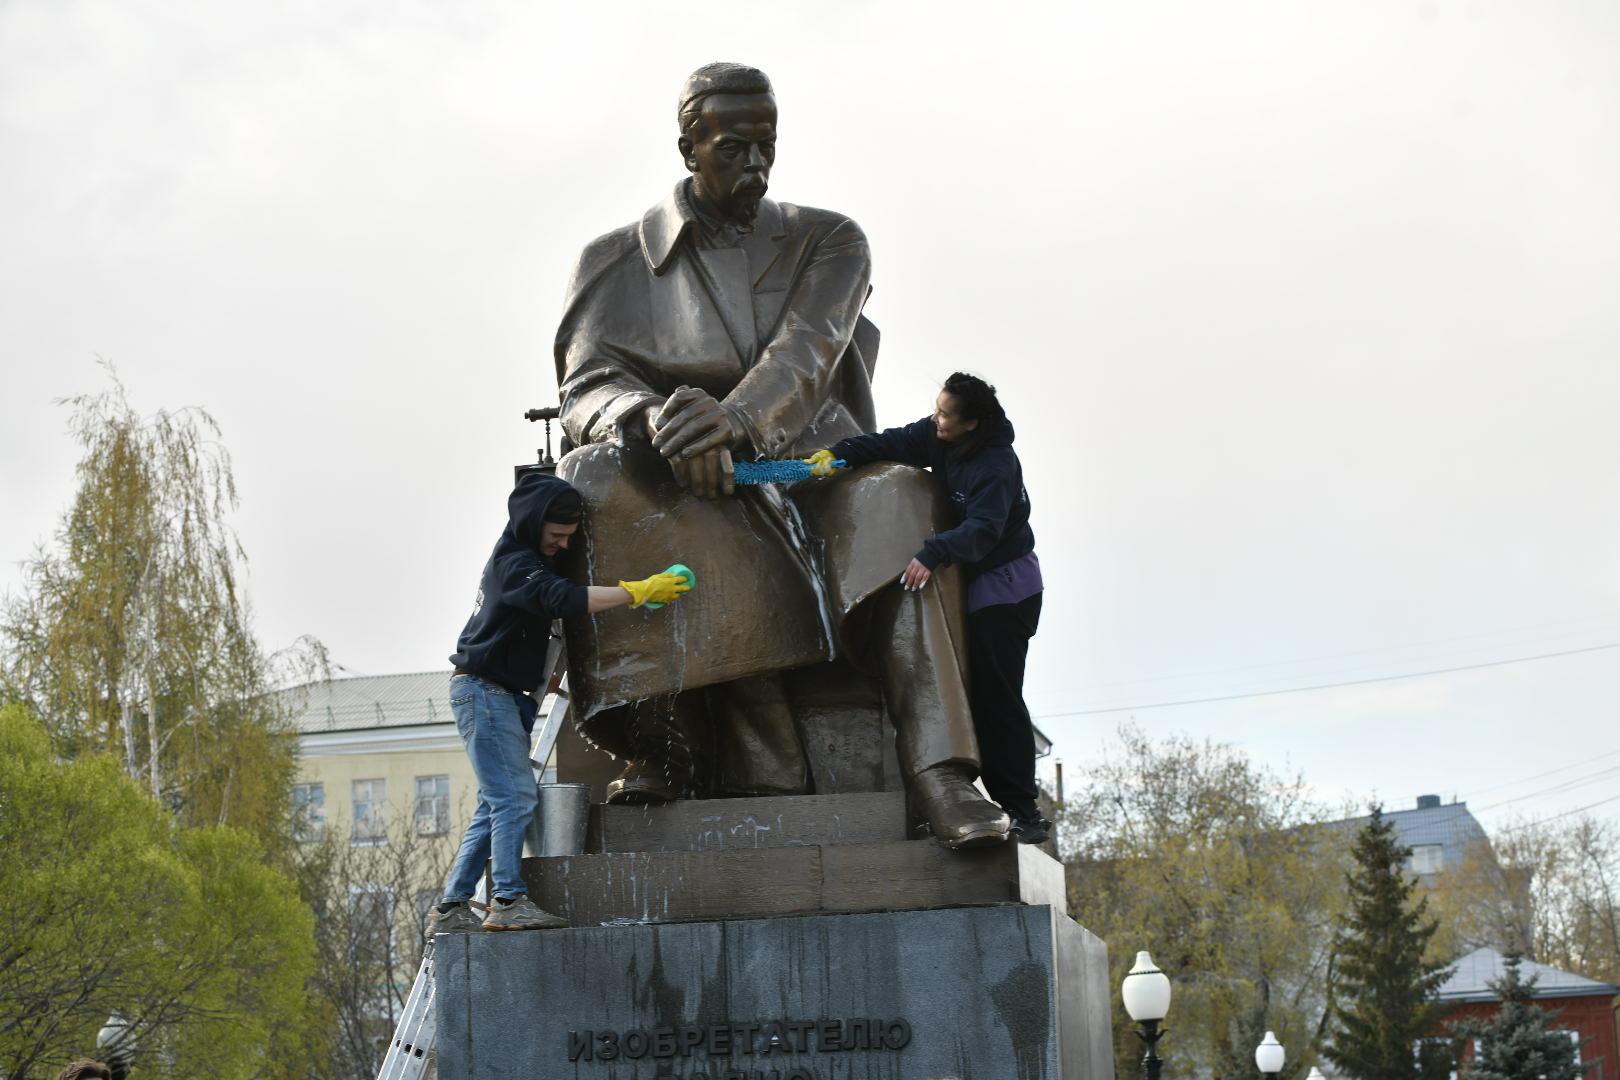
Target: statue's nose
756, 160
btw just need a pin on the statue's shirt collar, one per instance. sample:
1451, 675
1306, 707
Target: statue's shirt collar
664, 226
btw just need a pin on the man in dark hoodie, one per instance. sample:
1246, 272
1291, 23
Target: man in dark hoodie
498, 663
967, 442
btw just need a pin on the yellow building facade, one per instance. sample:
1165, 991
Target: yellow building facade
381, 752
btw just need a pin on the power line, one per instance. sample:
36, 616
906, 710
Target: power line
1429, 644
1526, 779
1556, 788
1331, 685
1555, 817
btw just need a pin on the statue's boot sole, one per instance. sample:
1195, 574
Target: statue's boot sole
986, 837
640, 792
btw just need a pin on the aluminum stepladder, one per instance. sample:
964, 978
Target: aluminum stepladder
415, 1036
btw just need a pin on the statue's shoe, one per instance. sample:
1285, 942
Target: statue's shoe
958, 816
643, 782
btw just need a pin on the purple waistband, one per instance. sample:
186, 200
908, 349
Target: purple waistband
1008, 583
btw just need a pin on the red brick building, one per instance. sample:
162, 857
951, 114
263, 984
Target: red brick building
1585, 1007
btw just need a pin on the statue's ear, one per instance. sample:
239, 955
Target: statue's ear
688, 152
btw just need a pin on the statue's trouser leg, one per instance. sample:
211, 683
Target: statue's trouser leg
654, 738
759, 749
998, 643
910, 639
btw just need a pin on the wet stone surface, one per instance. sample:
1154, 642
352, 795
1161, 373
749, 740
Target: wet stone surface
1006, 991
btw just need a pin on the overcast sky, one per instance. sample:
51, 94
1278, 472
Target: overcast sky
1308, 315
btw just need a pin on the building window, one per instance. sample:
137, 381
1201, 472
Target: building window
309, 810
432, 805
1426, 859
370, 812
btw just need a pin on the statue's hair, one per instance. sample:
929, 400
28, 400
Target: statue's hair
717, 78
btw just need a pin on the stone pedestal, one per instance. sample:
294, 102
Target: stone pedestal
751, 940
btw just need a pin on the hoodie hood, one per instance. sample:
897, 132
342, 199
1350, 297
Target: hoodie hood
993, 431
519, 594
527, 505
1001, 432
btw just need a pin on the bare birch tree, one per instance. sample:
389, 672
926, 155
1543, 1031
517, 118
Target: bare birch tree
130, 633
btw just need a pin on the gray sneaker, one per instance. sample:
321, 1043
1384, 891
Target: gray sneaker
461, 919
521, 914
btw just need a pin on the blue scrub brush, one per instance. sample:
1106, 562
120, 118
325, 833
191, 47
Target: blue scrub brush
786, 471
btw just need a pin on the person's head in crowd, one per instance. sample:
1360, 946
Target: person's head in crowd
85, 1069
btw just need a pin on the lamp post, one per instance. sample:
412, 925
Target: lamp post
1269, 1056
1146, 991
115, 1044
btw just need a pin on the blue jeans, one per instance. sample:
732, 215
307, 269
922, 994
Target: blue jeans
492, 729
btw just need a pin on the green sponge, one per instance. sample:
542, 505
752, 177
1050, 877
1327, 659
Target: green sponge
679, 571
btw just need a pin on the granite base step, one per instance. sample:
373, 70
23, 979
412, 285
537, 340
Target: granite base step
742, 883
993, 993
749, 823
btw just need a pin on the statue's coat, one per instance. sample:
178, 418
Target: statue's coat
774, 328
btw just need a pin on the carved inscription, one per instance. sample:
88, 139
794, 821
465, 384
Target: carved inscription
760, 1038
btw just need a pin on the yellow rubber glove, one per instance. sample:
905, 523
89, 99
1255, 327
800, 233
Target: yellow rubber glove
821, 463
658, 589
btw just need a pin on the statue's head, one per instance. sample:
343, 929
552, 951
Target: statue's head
727, 117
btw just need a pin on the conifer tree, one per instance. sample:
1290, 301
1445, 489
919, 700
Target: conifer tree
1385, 994
1517, 1043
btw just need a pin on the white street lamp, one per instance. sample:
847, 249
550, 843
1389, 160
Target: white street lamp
1146, 991
1269, 1056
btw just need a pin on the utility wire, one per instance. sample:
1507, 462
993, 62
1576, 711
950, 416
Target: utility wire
1555, 817
1556, 788
1329, 686
1526, 779
1405, 646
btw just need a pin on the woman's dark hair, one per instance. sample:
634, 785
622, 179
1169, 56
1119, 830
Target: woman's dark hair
975, 400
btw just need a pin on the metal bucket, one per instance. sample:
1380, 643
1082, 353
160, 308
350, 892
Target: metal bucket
560, 820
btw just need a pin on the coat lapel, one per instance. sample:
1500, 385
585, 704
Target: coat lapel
770, 279
725, 274
703, 298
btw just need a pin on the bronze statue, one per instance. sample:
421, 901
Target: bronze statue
725, 323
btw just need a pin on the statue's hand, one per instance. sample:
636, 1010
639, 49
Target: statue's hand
692, 423
706, 475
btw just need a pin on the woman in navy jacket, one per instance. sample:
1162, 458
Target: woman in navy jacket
967, 442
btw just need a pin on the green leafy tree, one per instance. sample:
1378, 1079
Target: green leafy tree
111, 907
1518, 1043
129, 635
1212, 863
1385, 994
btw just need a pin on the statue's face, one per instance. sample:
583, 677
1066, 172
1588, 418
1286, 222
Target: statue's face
731, 149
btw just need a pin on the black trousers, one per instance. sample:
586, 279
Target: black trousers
998, 642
